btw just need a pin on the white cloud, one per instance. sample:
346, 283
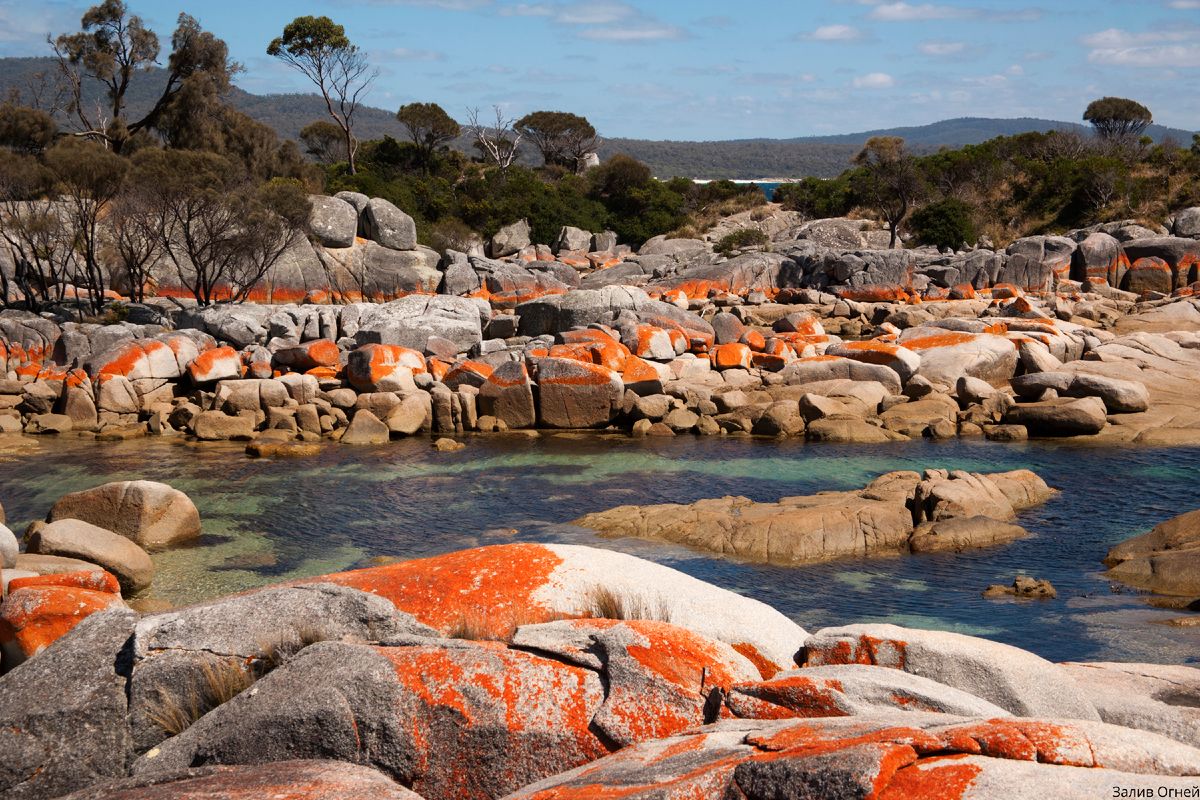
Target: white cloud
833, 33
988, 82
499, 69
1184, 5
720, 69
958, 97
1016, 70
775, 79
404, 54
541, 76
1038, 55
601, 21
1178, 46
903, 12
876, 80
445, 5
940, 48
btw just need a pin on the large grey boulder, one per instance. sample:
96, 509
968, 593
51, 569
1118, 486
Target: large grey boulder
146, 512
1187, 222
365, 428
411, 321
390, 273
680, 248
388, 225
63, 722
1098, 256
333, 220
268, 626
314, 778
509, 240
1016, 680
73, 538
574, 394
498, 719
574, 239
216, 426
799, 373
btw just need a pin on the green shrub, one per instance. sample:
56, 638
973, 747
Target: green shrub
745, 239
946, 223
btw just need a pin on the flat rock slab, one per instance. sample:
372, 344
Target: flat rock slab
1163, 699
1167, 559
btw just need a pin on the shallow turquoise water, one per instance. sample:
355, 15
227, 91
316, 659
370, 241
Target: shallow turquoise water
270, 520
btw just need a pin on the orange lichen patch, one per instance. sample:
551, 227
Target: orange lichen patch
603, 260
438, 367
97, 580
1003, 291
794, 696
934, 779
871, 294
489, 586
867, 650
606, 354
935, 338
936, 293
322, 372
769, 362
575, 261
778, 347
519, 380
538, 352
799, 340
701, 290
913, 300
637, 370
28, 371
569, 372
258, 369
514, 297
674, 296
586, 336
707, 781
36, 616
526, 707
53, 372
731, 356
465, 368
962, 291
75, 377
873, 351
765, 666
754, 340
129, 359
1022, 740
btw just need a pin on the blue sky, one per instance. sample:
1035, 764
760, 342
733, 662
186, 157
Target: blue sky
705, 70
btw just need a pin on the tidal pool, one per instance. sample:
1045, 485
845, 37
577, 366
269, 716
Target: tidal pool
269, 520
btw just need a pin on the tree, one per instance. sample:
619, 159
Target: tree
889, 179
499, 145
562, 138
112, 47
26, 130
429, 127
1118, 119
90, 177
221, 234
34, 231
324, 141
318, 49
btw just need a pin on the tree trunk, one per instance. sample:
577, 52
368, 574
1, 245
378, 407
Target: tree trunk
350, 149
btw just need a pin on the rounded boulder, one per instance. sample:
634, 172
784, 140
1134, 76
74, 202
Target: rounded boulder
75, 538
145, 512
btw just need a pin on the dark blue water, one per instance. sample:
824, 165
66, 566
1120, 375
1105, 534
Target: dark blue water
270, 520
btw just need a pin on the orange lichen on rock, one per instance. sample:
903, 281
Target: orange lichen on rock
784, 698
937, 337
731, 356
871, 294
97, 580
36, 616
932, 779
867, 650
490, 587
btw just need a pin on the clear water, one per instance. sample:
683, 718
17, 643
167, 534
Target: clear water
269, 520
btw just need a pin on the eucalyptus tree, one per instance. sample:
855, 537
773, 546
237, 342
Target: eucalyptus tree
317, 47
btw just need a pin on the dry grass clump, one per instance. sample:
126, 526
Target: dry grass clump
607, 604
287, 644
478, 629
218, 683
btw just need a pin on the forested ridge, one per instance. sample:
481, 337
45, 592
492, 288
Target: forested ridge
816, 156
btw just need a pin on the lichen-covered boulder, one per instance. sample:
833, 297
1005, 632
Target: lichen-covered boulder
575, 394
383, 368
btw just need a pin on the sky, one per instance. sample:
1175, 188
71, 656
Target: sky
700, 70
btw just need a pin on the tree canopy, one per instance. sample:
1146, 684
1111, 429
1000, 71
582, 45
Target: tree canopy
1117, 118
318, 48
562, 138
113, 46
429, 127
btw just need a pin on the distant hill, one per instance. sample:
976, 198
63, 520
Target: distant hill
820, 156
